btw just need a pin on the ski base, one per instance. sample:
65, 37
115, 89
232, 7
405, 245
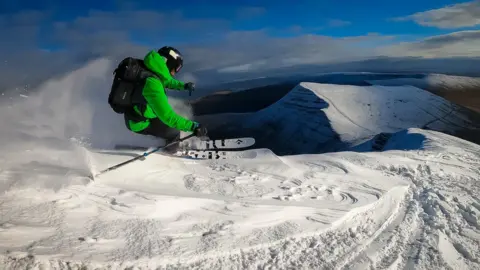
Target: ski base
223, 144
209, 149
212, 155
232, 143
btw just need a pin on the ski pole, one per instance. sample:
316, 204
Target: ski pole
143, 155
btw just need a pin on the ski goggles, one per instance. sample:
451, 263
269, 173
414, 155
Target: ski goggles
178, 68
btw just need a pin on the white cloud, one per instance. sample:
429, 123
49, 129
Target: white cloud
452, 16
457, 44
34, 47
256, 50
109, 34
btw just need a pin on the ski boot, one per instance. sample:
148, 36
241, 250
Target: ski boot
172, 145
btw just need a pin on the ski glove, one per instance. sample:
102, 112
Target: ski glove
190, 86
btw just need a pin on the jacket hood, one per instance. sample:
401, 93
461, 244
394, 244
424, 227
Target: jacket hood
158, 64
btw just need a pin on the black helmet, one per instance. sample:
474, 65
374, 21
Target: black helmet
174, 58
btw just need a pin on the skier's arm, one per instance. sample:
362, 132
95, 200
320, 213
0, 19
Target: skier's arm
154, 94
172, 83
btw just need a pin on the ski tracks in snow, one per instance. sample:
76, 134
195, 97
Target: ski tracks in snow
386, 210
431, 223
221, 206
435, 228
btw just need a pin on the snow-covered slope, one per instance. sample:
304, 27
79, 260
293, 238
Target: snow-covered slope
314, 118
459, 89
414, 208
395, 208
435, 82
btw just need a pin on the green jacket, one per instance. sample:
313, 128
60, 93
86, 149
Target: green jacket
157, 102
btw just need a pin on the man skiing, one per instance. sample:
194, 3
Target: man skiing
147, 110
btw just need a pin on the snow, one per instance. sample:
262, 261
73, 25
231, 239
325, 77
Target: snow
318, 118
414, 204
435, 82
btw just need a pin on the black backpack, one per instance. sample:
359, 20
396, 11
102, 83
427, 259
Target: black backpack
129, 79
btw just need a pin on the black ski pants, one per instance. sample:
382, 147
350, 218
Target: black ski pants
156, 128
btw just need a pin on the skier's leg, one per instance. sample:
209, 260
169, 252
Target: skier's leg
158, 129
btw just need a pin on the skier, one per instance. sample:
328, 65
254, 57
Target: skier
138, 91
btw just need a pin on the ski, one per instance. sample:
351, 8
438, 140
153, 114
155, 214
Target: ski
220, 144
198, 154
217, 154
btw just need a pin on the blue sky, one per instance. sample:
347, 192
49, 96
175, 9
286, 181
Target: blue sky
238, 36
281, 18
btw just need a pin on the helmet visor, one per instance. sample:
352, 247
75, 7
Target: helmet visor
178, 68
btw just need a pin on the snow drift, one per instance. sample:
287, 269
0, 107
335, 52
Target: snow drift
411, 205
